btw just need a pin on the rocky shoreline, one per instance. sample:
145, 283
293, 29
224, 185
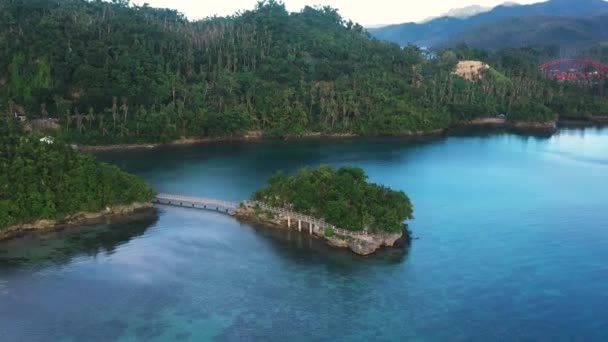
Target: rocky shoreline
73, 220
363, 245
587, 120
543, 127
251, 136
548, 126
599, 119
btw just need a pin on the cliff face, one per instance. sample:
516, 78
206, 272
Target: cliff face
371, 243
358, 244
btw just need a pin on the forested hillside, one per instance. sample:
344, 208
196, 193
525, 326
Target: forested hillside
114, 73
570, 34
343, 197
599, 52
39, 180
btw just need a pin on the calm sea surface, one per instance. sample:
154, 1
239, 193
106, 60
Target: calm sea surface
512, 245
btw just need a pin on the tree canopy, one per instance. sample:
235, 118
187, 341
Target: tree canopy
342, 197
119, 73
41, 180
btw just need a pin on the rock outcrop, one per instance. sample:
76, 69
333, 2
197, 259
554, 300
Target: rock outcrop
358, 244
549, 126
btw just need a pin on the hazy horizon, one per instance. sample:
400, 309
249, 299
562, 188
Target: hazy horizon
379, 12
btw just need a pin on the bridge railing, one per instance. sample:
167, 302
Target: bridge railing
197, 200
298, 216
282, 212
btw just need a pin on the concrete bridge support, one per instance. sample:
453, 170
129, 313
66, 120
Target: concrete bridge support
313, 224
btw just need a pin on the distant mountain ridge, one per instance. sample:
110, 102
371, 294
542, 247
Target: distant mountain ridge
462, 13
446, 30
569, 33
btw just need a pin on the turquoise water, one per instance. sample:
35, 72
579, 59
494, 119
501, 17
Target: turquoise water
512, 244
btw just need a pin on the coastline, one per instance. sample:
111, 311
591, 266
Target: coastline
599, 119
590, 120
80, 218
544, 127
363, 245
533, 127
256, 136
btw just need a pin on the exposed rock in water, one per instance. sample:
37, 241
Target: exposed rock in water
336, 242
404, 241
358, 244
363, 247
366, 245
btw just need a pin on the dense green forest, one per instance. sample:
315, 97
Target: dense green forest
342, 197
116, 73
598, 52
39, 180
520, 90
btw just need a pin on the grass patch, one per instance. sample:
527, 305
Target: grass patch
499, 77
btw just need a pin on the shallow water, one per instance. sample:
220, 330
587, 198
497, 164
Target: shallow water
513, 244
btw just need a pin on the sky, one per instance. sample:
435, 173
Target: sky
364, 12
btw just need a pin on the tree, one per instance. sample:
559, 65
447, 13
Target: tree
342, 197
264, 69
49, 181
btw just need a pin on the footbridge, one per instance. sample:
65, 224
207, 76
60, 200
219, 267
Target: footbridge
293, 219
197, 202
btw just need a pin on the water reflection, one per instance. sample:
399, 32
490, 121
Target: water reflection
263, 156
493, 131
509, 227
58, 247
297, 246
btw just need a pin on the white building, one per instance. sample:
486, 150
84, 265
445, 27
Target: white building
48, 140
